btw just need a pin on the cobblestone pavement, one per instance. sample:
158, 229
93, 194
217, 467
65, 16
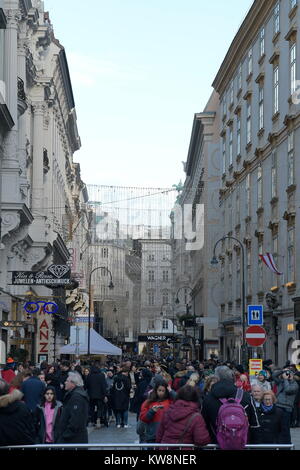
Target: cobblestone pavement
113, 435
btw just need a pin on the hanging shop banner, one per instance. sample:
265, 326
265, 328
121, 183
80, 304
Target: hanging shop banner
57, 274
44, 325
255, 366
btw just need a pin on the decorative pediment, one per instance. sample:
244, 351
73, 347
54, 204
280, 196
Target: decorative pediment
274, 59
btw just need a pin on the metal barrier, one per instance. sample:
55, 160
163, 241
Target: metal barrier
144, 446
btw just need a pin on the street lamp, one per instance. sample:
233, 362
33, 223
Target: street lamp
214, 261
110, 286
177, 301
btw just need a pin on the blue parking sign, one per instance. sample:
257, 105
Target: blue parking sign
255, 315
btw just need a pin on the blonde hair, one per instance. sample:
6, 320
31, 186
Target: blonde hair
209, 382
193, 380
269, 392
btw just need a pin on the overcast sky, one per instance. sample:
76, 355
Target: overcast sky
140, 70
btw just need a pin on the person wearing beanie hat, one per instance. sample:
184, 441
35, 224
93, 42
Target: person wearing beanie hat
8, 373
262, 380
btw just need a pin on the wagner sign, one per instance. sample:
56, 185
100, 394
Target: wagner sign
57, 274
156, 338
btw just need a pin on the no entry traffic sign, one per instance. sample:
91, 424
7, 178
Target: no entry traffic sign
256, 335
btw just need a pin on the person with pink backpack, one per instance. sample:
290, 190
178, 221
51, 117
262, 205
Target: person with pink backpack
229, 412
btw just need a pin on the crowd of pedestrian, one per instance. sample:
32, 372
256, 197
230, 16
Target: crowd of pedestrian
174, 402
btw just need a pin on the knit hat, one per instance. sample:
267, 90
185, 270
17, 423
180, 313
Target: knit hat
9, 360
263, 372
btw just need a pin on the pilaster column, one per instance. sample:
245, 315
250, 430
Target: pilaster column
37, 167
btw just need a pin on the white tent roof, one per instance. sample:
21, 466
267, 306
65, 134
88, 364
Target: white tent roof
98, 345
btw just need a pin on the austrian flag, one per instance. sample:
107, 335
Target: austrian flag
269, 261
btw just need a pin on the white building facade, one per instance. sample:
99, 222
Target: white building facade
41, 189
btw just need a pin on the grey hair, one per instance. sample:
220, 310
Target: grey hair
75, 378
4, 387
256, 384
224, 373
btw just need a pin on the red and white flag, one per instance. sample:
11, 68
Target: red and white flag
269, 261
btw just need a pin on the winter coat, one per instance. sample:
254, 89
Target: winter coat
8, 374
62, 377
120, 392
176, 428
96, 384
286, 392
53, 380
33, 389
139, 396
271, 425
212, 403
179, 379
151, 418
74, 418
40, 422
16, 421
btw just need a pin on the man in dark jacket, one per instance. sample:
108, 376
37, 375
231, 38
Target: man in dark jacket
33, 389
73, 421
97, 391
225, 388
65, 368
287, 389
16, 422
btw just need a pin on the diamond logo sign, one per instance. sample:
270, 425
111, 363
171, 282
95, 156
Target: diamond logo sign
58, 270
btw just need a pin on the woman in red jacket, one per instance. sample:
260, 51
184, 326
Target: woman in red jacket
183, 423
153, 409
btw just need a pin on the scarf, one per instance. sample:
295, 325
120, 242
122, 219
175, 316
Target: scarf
266, 408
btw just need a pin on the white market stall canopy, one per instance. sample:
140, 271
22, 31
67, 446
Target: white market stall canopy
98, 345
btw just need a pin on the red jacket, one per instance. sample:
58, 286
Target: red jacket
147, 415
8, 375
174, 423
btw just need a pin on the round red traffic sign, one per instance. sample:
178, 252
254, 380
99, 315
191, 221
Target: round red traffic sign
256, 335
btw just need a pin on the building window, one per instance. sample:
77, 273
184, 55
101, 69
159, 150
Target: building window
224, 107
165, 324
276, 89
293, 67
249, 127
151, 276
259, 187
240, 78
238, 124
230, 146
166, 276
250, 62
277, 19
274, 175
262, 42
231, 94
151, 257
224, 156
291, 159
291, 255
165, 298
248, 198
151, 325
249, 278
238, 206
261, 107
151, 298
104, 252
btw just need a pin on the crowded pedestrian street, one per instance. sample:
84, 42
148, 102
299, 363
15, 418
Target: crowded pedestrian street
149, 204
